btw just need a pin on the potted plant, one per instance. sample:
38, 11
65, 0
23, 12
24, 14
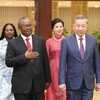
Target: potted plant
96, 34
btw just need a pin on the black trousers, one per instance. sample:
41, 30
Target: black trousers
30, 96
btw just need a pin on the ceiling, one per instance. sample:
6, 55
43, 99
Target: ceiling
17, 3
27, 3
90, 4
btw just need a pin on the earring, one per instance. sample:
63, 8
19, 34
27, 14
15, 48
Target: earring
53, 33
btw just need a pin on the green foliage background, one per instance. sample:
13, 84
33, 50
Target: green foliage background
96, 34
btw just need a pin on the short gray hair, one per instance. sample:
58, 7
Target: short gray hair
80, 17
22, 18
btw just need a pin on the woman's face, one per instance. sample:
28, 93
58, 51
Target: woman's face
9, 32
58, 28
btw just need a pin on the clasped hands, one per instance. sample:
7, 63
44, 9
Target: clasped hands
62, 87
31, 55
97, 87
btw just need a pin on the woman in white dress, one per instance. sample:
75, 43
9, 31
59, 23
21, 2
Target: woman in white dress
8, 32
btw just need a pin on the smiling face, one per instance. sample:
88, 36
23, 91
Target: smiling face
9, 32
58, 29
80, 27
25, 27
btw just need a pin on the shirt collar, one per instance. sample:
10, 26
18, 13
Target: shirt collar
24, 37
77, 37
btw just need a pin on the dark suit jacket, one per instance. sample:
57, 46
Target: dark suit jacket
24, 70
73, 69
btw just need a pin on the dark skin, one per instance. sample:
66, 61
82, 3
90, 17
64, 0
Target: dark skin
9, 32
25, 28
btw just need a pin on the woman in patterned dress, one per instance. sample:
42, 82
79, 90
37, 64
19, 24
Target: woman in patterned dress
53, 49
8, 33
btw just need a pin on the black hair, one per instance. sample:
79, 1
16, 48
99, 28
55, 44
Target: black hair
3, 30
56, 20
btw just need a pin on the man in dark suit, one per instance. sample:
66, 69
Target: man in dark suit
31, 74
79, 62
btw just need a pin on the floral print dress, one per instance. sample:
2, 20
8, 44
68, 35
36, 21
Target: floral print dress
5, 74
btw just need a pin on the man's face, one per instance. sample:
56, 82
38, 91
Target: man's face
25, 27
80, 27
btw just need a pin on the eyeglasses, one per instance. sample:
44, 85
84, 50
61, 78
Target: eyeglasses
28, 26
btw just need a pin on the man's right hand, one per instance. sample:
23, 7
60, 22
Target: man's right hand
31, 55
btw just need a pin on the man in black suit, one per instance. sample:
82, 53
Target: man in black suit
31, 74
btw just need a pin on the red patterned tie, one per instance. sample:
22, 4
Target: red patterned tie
81, 48
28, 44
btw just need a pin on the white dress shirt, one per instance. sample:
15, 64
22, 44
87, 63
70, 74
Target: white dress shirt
30, 39
83, 41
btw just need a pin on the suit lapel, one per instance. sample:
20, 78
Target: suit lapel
87, 47
21, 43
35, 43
75, 47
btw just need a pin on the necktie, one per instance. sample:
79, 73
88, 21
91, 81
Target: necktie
81, 48
28, 44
